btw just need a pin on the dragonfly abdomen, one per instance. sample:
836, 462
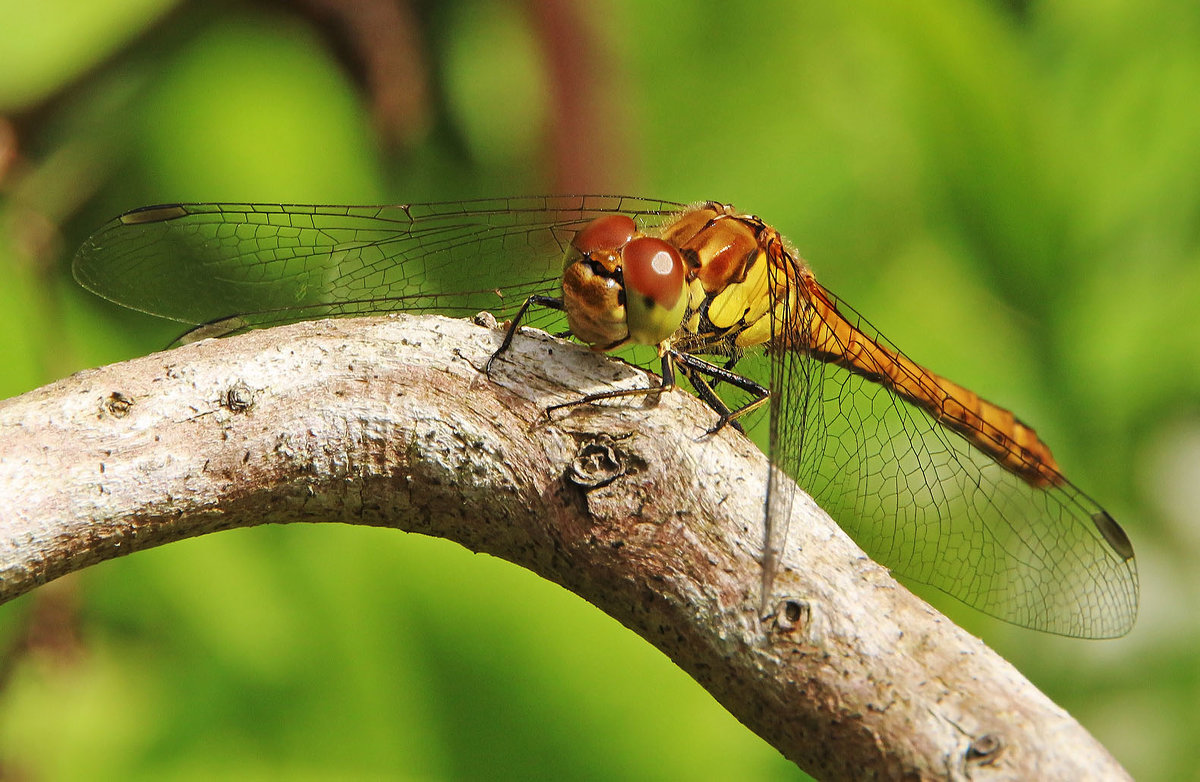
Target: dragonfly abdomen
994, 430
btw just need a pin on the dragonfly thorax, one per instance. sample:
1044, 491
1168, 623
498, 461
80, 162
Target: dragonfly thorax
741, 274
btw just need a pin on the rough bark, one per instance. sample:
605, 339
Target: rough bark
630, 504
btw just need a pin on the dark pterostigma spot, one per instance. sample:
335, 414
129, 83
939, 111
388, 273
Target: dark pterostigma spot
1113, 533
596, 464
153, 214
217, 328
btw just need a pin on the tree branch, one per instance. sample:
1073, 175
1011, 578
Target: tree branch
389, 422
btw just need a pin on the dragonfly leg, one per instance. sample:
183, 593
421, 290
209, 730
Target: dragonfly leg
541, 301
697, 369
729, 365
668, 383
705, 391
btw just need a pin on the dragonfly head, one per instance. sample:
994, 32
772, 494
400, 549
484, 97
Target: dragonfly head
621, 287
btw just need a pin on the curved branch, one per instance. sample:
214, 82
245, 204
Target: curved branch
389, 422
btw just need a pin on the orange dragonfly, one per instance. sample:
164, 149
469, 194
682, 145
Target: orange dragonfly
932, 481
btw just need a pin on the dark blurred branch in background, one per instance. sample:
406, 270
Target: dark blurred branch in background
381, 43
388, 422
589, 129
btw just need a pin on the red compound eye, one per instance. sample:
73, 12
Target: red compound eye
610, 232
653, 270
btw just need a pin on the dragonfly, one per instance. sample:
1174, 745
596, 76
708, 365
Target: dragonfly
931, 480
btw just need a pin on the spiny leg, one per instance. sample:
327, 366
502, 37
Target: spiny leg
710, 397
697, 369
668, 383
732, 361
541, 301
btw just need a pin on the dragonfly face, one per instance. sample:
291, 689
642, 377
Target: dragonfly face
930, 479
621, 287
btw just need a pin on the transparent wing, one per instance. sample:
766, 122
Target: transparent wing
922, 500
249, 265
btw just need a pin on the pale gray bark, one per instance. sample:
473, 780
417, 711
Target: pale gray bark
630, 504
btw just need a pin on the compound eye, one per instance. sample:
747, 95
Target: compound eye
607, 233
655, 280
653, 270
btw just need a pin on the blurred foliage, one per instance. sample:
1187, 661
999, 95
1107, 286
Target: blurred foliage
1009, 190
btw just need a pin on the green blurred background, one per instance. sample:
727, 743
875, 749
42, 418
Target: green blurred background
1009, 190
